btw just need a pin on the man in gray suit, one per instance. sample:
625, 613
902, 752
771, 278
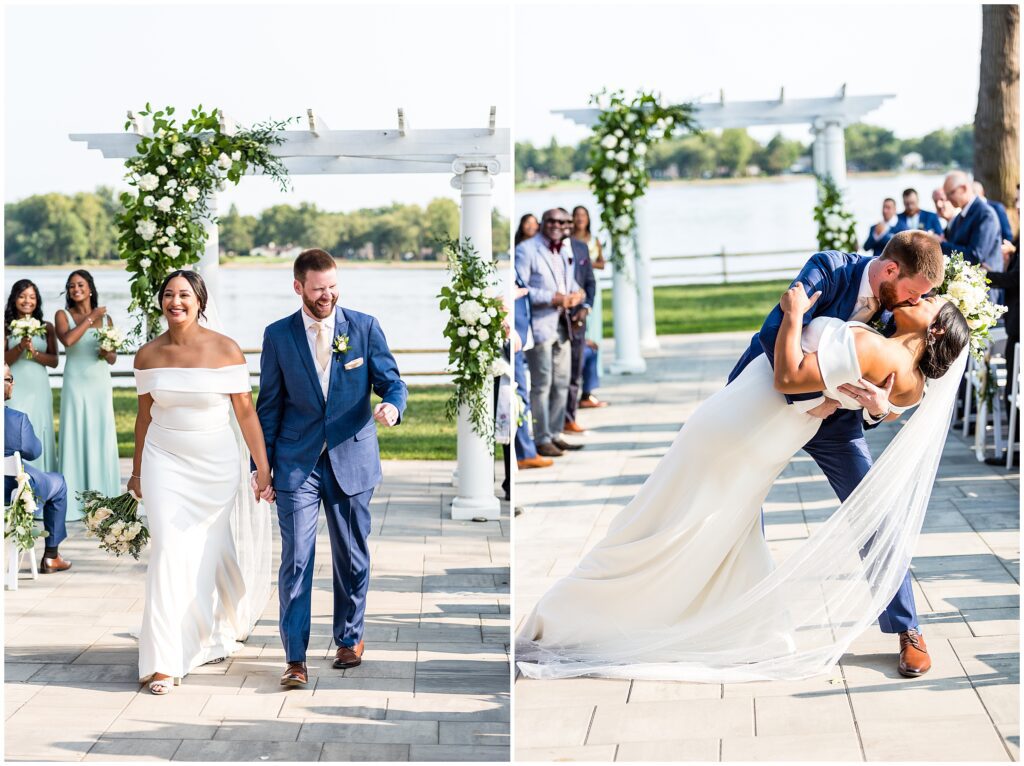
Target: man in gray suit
544, 263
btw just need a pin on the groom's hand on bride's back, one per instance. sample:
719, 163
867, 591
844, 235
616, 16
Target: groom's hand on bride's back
825, 409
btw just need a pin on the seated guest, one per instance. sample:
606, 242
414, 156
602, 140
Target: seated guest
50, 488
882, 231
974, 231
913, 217
1005, 229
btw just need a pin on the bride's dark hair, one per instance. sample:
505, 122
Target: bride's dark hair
942, 348
198, 287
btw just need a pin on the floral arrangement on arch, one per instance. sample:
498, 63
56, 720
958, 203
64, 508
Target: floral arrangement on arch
836, 225
625, 132
19, 516
172, 176
967, 287
475, 334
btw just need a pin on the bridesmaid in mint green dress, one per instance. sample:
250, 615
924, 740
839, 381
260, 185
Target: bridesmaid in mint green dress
88, 436
32, 393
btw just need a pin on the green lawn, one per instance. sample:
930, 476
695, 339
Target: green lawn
424, 434
707, 308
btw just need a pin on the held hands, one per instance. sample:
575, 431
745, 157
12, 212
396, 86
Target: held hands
795, 300
825, 409
873, 399
385, 414
262, 489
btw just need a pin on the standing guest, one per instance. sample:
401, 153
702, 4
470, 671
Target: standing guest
522, 339
591, 378
88, 436
595, 319
583, 272
543, 263
1005, 229
944, 208
28, 359
528, 227
882, 231
914, 218
974, 231
49, 487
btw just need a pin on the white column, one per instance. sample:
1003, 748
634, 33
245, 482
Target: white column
835, 153
209, 264
625, 315
818, 149
474, 497
645, 279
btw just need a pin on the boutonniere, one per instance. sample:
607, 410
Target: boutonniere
341, 344
878, 324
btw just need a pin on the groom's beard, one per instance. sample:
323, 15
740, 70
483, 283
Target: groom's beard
887, 298
319, 310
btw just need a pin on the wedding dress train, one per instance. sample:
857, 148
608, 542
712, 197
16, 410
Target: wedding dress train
684, 587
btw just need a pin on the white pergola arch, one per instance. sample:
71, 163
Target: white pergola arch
470, 156
633, 285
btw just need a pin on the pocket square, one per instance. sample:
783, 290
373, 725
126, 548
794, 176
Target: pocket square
354, 363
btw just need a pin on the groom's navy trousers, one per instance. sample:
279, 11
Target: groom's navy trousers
839, 447
348, 524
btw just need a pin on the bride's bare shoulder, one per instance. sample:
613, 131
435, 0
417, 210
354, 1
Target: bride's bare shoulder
149, 354
225, 349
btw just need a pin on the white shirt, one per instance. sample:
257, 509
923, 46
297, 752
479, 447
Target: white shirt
328, 323
912, 221
965, 208
892, 222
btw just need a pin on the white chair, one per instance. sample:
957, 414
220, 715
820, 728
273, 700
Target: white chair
1014, 382
13, 467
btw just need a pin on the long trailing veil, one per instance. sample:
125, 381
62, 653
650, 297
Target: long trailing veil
250, 524
799, 620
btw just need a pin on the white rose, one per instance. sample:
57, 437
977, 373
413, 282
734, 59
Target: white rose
975, 324
145, 263
622, 223
482, 334
470, 311
191, 194
630, 118
833, 221
475, 292
172, 184
492, 312
224, 161
110, 539
619, 133
179, 149
161, 170
172, 250
485, 319
641, 149
474, 343
236, 155
146, 229
608, 175
164, 204
149, 200
102, 514
170, 231
628, 188
625, 143
622, 157
148, 182
958, 290
609, 155
462, 332
609, 142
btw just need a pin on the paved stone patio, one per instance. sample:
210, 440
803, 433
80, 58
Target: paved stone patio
966, 581
434, 684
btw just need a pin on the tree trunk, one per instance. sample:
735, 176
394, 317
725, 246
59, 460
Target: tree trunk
997, 120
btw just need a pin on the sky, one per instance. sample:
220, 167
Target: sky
926, 55
79, 68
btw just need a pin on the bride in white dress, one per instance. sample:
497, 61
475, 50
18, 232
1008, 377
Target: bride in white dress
683, 587
208, 577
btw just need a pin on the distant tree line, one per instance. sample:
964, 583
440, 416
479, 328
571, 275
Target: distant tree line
733, 152
59, 228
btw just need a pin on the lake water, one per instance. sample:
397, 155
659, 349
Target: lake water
403, 300
747, 216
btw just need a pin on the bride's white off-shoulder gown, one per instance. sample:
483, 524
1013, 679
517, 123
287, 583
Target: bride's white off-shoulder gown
208, 576
684, 586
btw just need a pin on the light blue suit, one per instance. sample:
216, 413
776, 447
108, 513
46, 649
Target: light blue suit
297, 422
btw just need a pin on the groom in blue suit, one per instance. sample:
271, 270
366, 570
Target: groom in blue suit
856, 287
317, 370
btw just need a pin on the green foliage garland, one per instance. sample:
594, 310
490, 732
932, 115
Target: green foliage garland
19, 516
836, 225
175, 171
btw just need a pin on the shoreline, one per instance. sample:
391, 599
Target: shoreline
244, 262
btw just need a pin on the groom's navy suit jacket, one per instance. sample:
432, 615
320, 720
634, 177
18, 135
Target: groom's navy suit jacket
297, 420
838, 277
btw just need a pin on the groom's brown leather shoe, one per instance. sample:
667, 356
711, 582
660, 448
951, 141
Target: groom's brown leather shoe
56, 564
295, 675
348, 656
914, 659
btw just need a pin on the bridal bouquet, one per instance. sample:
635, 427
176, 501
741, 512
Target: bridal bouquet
30, 327
19, 516
967, 287
110, 339
115, 522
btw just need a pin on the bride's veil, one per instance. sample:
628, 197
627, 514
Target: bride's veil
798, 621
250, 524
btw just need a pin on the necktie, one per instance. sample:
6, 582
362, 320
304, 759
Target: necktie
864, 310
322, 345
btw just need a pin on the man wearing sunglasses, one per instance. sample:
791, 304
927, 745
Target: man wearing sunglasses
544, 262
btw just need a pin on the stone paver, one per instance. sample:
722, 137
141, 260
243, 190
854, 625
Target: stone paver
434, 683
966, 581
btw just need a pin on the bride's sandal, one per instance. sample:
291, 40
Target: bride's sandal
161, 686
